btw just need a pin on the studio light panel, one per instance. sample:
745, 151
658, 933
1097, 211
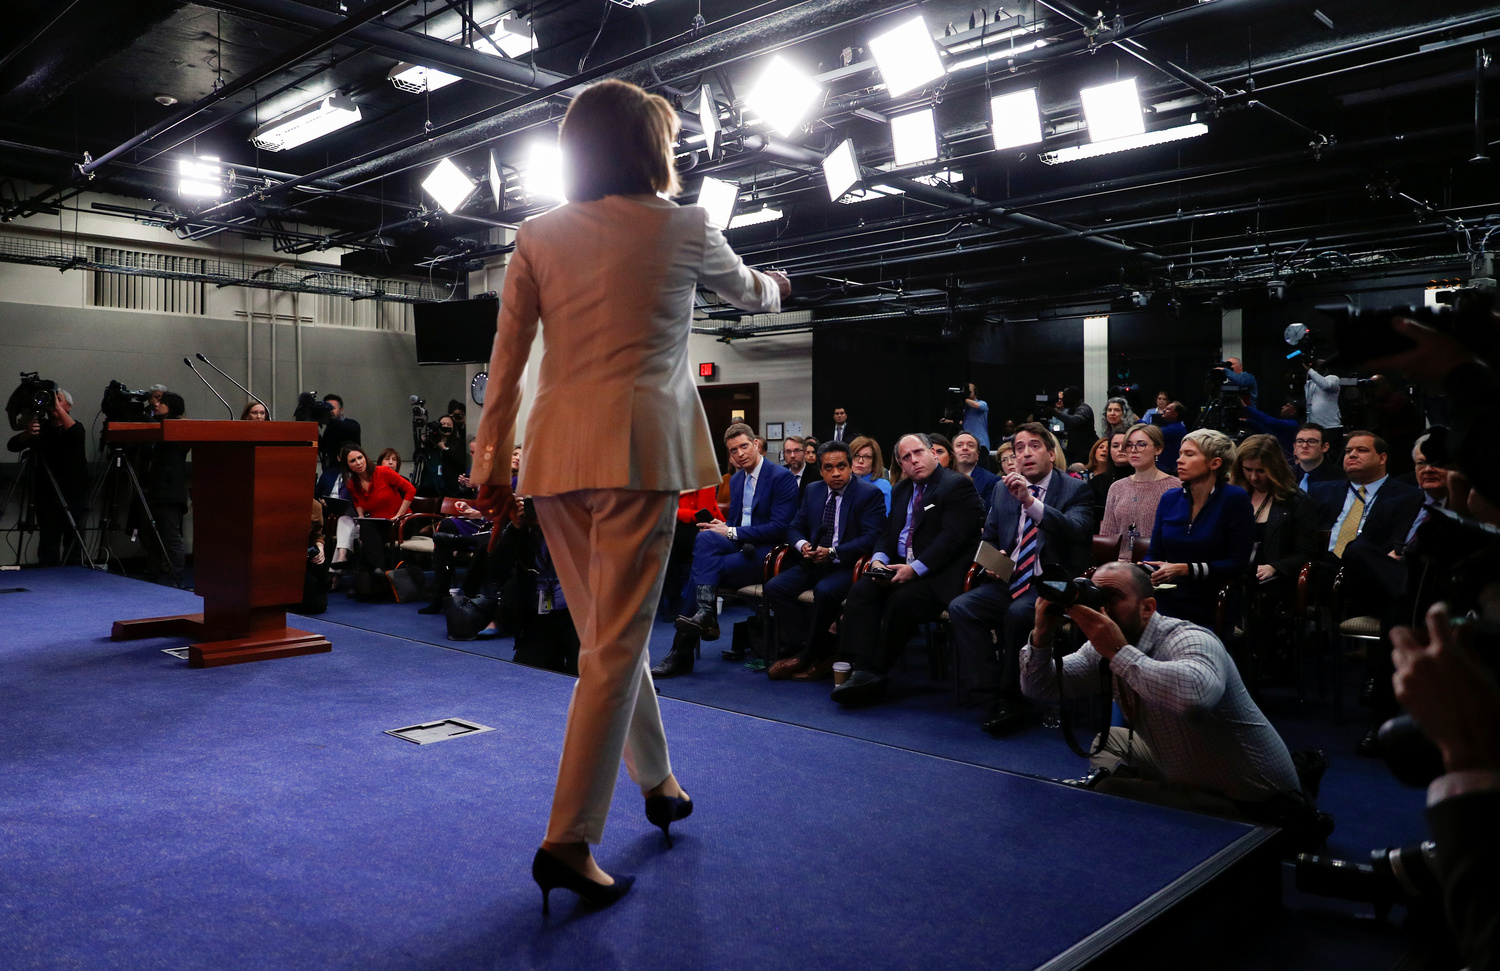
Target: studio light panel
914, 136
907, 57
1112, 110
841, 169
1014, 119
784, 96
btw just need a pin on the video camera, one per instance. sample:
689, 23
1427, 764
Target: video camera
310, 408
1465, 313
120, 404
33, 400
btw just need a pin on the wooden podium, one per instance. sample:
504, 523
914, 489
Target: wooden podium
252, 499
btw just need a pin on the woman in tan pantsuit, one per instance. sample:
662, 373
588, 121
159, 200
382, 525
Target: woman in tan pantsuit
611, 278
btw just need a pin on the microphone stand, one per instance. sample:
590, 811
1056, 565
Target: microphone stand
212, 388
232, 381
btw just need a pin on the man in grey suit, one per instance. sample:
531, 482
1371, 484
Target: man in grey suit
1042, 518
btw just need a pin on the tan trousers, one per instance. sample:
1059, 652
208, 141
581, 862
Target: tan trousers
610, 548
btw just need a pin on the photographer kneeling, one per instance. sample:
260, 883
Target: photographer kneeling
1196, 741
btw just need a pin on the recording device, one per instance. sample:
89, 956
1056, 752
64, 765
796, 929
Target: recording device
954, 403
120, 404
309, 408
703, 516
33, 400
1063, 592
1465, 314
1223, 410
1395, 875
880, 573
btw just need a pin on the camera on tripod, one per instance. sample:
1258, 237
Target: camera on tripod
120, 404
309, 408
33, 400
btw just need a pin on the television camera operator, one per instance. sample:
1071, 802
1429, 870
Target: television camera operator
60, 477
335, 430
166, 483
443, 459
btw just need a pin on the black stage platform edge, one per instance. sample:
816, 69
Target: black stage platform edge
1193, 920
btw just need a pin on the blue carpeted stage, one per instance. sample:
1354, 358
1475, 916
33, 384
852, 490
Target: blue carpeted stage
154, 815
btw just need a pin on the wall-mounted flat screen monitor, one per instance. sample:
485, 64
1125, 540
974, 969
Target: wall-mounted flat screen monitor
456, 331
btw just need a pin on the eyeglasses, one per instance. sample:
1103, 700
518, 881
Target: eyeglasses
1424, 464
1137, 446
1307, 441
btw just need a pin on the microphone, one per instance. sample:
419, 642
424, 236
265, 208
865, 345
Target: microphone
234, 382
210, 387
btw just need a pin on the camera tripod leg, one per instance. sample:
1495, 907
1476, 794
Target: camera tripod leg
140, 495
25, 507
83, 549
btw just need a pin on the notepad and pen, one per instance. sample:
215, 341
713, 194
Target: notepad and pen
997, 561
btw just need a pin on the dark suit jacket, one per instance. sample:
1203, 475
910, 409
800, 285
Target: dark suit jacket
1067, 525
850, 434
1327, 471
1389, 517
984, 483
805, 478
947, 529
1291, 535
861, 519
1468, 852
771, 508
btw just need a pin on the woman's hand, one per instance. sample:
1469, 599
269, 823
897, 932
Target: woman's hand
1166, 572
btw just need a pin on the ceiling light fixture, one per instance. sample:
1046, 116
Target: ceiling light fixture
914, 136
783, 96
1001, 55
302, 125
841, 169
202, 178
416, 79
708, 117
497, 184
765, 215
512, 35
543, 175
907, 57
718, 197
1112, 110
1144, 140
449, 186
1014, 120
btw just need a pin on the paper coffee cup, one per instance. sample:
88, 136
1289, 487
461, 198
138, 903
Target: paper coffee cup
841, 671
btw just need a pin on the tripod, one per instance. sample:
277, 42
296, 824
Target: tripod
119, 471
27, 522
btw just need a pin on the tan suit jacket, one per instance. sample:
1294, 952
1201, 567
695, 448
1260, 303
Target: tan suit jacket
612, 283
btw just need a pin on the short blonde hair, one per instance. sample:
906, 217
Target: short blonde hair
1214, 445
616, 139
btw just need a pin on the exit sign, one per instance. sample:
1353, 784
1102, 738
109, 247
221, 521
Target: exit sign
708, 371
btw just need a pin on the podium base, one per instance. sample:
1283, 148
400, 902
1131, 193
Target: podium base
261, 645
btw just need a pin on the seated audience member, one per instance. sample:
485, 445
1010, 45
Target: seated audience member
254, 411
1041, 518
1310, 449
315, 575
1286, 540
1371, 509
1118, 418
1204, 530
375, 493
762, 502
966, 459
1162, 400
1453, 696
467, 531
1099, 461
1283, 429
869, 465
1118, 468
798, 461
1173, 428
929, 541
515, 466
467, 487
391, 459
694, 506
841, 430
1005, 456
1077, 419
839, 521
943, 449
531, 601
1131, 504
1195, 740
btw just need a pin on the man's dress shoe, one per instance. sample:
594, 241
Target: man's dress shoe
1005, 718
862, 688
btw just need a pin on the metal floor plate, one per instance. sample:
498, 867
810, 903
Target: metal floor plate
439, 731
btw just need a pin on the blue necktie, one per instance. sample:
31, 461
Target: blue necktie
827, 526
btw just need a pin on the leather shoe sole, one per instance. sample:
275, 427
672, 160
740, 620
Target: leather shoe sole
688, 625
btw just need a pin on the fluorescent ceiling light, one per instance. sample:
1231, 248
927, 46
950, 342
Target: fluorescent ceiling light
1112, 110
303, 124
941, 177
755, 218
1000, 55
543, 177
1014, 120
202, 178
450, 187
873, 192
783, 96
416, 79
907, 57
708, 117
841, 169
1144, 140
497, 185
914, 136
718, 197
512, 35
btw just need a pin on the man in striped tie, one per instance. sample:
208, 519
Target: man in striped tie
1041, 518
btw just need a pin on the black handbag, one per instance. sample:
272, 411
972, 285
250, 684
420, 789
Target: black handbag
408, 582
467, 616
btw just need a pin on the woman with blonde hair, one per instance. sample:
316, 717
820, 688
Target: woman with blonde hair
1204, 530
614, 271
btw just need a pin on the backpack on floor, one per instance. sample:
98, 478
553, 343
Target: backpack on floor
467, 616
408, 582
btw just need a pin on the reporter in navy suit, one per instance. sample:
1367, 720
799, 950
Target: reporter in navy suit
1382, 508
1061, 510
929, 540
966, 460
840, 520
732, 553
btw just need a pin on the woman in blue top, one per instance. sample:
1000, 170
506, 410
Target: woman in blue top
869, 465
1204, 531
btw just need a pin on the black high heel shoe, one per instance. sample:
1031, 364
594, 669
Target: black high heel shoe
663, 811
549, 872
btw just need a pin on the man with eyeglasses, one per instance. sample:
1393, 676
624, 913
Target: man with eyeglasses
1310, 451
